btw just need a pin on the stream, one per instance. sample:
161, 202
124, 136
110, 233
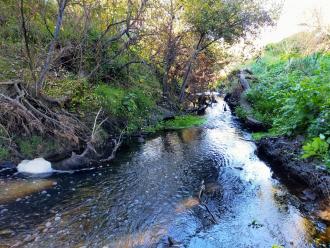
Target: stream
149, 197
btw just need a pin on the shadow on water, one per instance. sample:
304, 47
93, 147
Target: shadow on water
148, 197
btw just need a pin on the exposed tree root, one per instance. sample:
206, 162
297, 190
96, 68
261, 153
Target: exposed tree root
22, 114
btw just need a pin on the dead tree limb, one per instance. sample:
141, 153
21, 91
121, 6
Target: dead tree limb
202, 203
117, 144
89, 155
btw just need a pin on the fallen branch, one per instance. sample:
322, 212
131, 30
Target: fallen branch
117, 144
202, 203
8, 83
89, 155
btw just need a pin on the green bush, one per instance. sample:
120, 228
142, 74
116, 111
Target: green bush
4, 153
111, 98
317, 147
293, 95
241, 112
133, 105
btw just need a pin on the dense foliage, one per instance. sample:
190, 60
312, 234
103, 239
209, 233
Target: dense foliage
293, 96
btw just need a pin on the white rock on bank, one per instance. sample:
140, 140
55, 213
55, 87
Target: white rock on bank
35, 166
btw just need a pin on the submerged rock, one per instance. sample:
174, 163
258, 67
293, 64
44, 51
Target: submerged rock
35, 166
12, 190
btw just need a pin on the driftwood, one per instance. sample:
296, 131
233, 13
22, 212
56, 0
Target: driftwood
203, 203
89, 155
86, 158
21, 113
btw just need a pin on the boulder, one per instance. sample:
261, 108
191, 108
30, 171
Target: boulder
254, 125
35, 166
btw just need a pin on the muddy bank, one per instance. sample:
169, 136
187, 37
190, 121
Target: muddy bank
284, 156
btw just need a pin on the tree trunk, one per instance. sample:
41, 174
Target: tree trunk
26, 41
169, 58
189, 69
165, 79
169, 52
40, 82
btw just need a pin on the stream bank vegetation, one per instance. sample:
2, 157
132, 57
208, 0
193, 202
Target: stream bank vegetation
292, 94
289, 91
77, 73
178, 122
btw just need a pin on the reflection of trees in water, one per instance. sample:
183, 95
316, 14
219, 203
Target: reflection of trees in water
189, 135
193, 164
171, 142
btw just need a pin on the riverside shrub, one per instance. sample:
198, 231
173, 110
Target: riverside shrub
293, 95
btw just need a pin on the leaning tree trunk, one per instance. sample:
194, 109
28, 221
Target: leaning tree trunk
188, 71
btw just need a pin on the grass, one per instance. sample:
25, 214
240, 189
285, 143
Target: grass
260, 135
7, 69
180, 122
131, 104
76, 89
184, 121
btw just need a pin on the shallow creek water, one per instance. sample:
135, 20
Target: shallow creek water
148, 197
